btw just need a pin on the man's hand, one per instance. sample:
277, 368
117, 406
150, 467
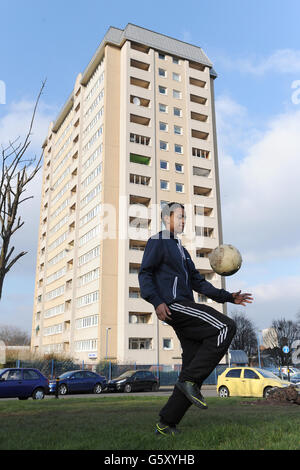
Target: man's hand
163, 312
242, 299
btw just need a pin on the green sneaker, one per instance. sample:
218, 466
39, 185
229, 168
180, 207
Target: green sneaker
192, 393
165, 430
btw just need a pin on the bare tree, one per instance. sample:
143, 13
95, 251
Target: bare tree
245, 337
282, 333
14, 336
16, 173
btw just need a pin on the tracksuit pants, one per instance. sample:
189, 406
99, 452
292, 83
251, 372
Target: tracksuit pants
205, 335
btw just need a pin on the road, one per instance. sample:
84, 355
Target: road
208, 391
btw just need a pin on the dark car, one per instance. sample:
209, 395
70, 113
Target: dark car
23, 383
78, 381
133, 381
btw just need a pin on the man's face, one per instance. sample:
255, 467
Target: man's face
177, 220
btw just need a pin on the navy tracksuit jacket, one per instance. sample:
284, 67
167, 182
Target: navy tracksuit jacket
168, 274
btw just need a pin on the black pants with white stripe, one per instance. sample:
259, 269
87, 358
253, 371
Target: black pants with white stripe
205, 335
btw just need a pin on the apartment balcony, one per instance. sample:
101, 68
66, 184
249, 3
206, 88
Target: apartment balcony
140, 149
199, 107
140, 83
203, 182
139, 101
141, 111
207, 242
136, 251
140, 55
140, 190
203, 162
138, 305
196, 90
136, 199
199, 127
140, 120
199, 136
203, 264
139, 74
133, 280
140, 90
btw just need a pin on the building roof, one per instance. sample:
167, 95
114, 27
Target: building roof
152, 39
144, 36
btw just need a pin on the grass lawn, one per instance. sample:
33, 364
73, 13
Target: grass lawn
127, 423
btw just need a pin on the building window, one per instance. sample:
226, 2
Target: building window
161, 56
179, 167
179, 188
167, 343
162, 72
163, 108
163, 145
202, 298
176, 77
163, 126
162, 90
178, 148
177, 94
164, 165
175, 60
164, 184
177, 112
140, 343
178, 130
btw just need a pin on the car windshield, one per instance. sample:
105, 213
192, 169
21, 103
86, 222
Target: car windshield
129, 373
267, 374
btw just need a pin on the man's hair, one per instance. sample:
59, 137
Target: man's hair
169, 208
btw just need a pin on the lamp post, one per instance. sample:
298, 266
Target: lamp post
106, 344
106, 352
258, 349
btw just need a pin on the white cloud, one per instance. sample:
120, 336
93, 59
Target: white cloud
283, 61
260, 191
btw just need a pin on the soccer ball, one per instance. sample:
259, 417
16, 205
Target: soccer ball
225, 260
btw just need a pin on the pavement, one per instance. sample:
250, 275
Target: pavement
164, 391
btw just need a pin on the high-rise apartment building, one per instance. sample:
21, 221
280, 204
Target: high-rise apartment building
137, 130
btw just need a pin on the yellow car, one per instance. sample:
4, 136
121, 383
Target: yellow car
247, 382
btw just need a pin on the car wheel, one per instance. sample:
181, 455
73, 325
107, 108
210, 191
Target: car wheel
155, 388
38, 394
127, 388
223, 392
266, 392
62, 389
97, 389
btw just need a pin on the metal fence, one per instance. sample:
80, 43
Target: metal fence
166, 374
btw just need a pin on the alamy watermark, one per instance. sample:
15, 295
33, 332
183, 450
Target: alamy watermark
2, 92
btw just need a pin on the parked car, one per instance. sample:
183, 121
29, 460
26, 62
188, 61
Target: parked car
247, 382
23, 383
133, 381
78, 381
295, 379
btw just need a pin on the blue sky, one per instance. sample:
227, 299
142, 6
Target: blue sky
254, 46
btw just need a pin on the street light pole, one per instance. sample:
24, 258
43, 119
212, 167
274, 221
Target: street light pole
258, 350
106, 346
106, 352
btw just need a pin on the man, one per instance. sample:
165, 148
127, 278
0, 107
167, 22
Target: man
167, 278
